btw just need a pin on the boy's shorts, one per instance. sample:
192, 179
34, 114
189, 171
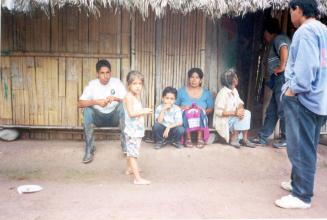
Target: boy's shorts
133, 146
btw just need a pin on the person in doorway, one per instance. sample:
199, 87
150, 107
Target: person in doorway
278, 54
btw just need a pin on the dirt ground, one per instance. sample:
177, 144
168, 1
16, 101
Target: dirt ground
218, 181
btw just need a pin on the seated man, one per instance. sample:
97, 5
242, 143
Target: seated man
102, 103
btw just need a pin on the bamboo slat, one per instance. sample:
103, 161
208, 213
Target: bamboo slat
19, 41
73, 79
55, 30
93, 34
83, 32
17, 90
71, 29
39, 75
5, 91
6, 32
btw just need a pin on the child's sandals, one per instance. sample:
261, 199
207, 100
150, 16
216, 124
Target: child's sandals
200, 144
188, 143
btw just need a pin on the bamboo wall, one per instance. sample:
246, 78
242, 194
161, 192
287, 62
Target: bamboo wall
47, 61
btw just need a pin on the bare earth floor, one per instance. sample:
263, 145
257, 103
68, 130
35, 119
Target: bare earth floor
215, 182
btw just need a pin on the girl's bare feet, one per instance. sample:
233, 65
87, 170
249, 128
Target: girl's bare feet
141, 182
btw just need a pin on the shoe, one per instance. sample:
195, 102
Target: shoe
291, 202
212, 138
287, 185
200, 144
248, 143
188, 143
158, 145
280, 144
88, 157
178, 145
235, 144
93, 150
258, 141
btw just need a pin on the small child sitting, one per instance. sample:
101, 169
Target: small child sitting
168, 121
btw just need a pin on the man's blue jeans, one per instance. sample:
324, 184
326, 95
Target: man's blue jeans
175, 134
302, 137
274, 110
94, 118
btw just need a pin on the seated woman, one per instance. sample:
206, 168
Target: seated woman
230, 117
194, 99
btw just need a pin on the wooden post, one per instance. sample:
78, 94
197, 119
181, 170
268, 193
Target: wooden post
158, 61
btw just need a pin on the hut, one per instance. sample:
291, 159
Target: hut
49, 49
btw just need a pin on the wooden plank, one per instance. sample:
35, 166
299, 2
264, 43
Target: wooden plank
55, 30
65, 54
89, 72
6, 32
28, 77
62, 32
211, 56
6, 116
108, 31
19, 28
71, 28
94, 37
125, 44
30, 90
73, 79
40, 90
17, 90
83, 32
53, 93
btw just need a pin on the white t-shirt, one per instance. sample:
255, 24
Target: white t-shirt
95, 90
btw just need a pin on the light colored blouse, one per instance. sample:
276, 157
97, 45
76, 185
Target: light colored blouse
134, 127
226, 100
205, 101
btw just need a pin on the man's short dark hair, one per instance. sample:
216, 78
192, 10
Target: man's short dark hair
309, 7
171, 90
195, 70
272, 26
103, 63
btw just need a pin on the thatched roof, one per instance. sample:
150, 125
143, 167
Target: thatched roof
213, 8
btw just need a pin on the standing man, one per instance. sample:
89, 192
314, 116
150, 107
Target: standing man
304, 101
102, 103
279, 47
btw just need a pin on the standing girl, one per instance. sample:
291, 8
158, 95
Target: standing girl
134, 123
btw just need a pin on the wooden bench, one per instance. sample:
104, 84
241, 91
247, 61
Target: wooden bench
46, 132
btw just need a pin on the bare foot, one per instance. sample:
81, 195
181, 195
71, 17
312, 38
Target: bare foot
141, 182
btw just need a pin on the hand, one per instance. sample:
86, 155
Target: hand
166, 132
166, 107
147, 111
110, 99
184, 107
240, 113
289, 92
278, 70
102, 102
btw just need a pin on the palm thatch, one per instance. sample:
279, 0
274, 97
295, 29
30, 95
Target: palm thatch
213, 8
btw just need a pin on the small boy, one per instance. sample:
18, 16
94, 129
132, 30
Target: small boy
168, 121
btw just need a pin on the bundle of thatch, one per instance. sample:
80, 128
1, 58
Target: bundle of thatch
213, 8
